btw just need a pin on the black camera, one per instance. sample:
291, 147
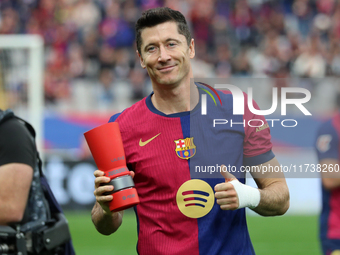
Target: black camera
42, 238
12, 242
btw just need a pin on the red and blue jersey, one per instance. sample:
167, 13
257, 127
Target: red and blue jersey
175, 158
328, 147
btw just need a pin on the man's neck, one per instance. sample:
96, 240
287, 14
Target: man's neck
177, 99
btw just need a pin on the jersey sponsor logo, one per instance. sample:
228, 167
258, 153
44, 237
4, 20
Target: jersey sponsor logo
185, 148
141, 143
195, 198
262, 127
324, 143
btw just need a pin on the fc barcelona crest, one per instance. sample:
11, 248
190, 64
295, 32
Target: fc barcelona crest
185, 148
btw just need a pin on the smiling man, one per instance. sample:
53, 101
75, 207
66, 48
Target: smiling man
166, 54
179, 213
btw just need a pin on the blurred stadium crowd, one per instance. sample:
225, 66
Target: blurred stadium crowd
90, 50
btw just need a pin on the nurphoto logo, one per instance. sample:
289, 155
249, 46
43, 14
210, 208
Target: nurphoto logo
238, 103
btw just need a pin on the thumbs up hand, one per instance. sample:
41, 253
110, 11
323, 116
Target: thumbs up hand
225, 193
232, 194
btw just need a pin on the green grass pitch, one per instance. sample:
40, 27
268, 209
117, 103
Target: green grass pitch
293, 235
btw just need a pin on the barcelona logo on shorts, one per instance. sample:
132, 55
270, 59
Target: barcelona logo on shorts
185, 148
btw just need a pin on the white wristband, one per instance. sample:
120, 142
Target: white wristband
247, 196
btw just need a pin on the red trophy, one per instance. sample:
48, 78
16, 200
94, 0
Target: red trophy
106, 145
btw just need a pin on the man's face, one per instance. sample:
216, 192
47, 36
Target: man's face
165, 54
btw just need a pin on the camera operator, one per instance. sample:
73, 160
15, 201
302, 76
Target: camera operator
17, 176
23, 202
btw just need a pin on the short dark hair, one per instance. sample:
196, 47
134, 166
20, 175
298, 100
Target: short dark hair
153, 17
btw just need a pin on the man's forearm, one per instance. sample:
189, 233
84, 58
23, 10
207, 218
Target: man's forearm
15, 183
273, 190
274, 200
106, 224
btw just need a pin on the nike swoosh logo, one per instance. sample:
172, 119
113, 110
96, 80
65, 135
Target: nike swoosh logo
141, 144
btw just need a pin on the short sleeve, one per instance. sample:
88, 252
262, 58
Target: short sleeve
16, 144
327, 142
257, 145
114, 117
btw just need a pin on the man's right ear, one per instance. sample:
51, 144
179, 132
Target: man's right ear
141, 60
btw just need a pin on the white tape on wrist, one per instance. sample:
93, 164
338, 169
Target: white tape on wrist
247, 196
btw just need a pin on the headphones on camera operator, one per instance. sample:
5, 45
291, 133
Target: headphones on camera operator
44, 229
